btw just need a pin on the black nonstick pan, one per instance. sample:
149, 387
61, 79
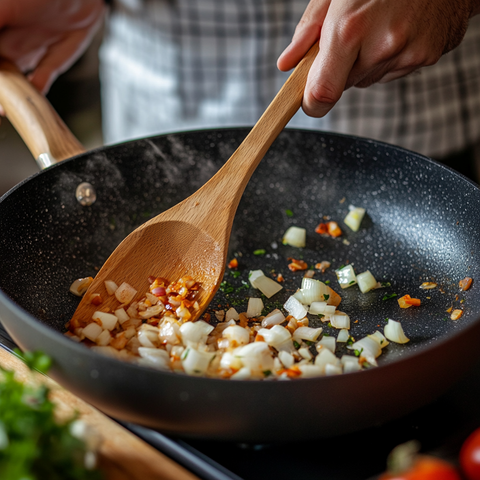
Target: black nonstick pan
421, 225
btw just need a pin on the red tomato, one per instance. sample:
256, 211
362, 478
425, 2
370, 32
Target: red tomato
425, 467
470, 456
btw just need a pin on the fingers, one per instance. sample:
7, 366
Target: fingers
306, 34
59, 57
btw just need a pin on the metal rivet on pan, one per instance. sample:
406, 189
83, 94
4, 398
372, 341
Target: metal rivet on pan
86, 194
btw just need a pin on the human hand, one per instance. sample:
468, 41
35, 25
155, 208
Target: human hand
368, 41
44, 37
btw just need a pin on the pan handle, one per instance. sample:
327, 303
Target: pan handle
43, 131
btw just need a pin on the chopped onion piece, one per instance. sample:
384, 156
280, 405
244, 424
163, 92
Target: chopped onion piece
196, 362
354, 217
305, 353
366, 281
367, 347
346, 276
340, 321
307, 333
80, 286
231, 314
324, 357
379, 337
255, 307
275, 317
308, 370
243, 374
286, 358
125, 293
154, 357
295, 308
256, 356
110, 286
265, 284
299, 296
92, 331
275, 336
326, 342
254, 275
331, 369
350, 364
394, 332
343, 335
195, 332
314, 291
295, 236
107, 320
236, 333
122, 315
104, 338
230, 361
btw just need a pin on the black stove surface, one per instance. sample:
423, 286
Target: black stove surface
440, 427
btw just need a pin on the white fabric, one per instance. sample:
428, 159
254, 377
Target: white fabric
171, 65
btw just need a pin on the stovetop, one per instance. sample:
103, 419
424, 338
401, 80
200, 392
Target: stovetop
441, 427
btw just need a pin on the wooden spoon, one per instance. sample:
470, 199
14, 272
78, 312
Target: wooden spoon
192, 237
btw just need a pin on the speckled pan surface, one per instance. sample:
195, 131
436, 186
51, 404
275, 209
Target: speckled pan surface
422, 225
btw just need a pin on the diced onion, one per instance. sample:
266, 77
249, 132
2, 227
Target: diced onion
307, 333
196, 362
340, 321
366, 281
275, 336
231, 314
350, 364
369, 348
326, 342
80, 286
266, 285
286, 358
125, 293
295, 236
308, 370
394, 332
104, 338
295, 308
107, 320
195, 332
255, 307
122, 315
346, 276
92, 331
256, 356
236, 333
275, 317
343, 335
325, 357
253, 275
305, 353
111, 287
314, 291
354, 217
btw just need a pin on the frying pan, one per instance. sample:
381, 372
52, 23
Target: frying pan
421, 225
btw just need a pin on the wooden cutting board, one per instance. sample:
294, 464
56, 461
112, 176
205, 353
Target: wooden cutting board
122, 455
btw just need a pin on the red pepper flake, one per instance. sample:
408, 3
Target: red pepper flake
465, 284
233, 263
297, 265
280, 278
333, 229
96, 299
406, 302
322, 228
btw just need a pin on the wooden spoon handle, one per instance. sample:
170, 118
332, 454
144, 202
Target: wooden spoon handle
40, 127
233, 177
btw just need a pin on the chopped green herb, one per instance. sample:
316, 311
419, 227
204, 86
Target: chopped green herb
388, 297
386, 284
260, 251
326, 297
341, 266
226, 287
288, 213
352, 282
296, 344
358, 352
267, 373
35, 446
330, 325
235, 273
350, 341
327, 282
309, 343
321, 315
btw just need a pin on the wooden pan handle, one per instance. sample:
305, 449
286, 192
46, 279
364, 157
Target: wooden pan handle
43, 131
